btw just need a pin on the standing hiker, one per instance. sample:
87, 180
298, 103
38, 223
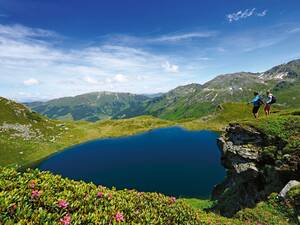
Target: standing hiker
257, 102
270, 100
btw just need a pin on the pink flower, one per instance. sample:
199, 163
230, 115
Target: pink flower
99, 194
109, 196
66, 220
35, 194
172, 200
32, 184
63, 204
119, 217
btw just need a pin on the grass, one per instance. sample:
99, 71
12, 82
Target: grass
197, 203
27, 152
31, 137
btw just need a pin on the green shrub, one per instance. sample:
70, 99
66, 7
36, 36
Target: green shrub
38, 197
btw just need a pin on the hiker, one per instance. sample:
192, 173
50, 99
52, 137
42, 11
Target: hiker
257, 102
270, 100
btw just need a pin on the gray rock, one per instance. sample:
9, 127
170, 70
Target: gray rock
246, 167
288, 187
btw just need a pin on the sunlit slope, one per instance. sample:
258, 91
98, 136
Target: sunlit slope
26, 137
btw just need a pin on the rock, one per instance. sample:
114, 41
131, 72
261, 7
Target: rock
288, 187
248, 168
255, 167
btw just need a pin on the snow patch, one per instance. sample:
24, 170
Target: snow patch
214, 97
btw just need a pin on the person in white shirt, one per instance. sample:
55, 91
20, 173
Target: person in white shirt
268, 103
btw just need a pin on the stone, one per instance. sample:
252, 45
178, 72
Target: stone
250, 177
288, 187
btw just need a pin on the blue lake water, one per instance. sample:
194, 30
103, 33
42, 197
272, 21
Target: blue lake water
172, 161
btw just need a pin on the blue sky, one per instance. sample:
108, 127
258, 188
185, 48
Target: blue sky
55, 48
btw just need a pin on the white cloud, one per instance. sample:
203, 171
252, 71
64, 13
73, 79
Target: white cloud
90, 80
30, 82
245, 14
259, 38
171, 68
262, 14
171, 38
120, 78
18, 31
183, 36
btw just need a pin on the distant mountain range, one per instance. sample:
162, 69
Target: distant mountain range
189, 101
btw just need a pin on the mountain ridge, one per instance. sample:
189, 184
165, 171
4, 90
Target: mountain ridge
186, 101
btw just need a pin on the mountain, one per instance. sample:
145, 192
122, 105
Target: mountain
290, 70
188, 101
92, 106
199, 100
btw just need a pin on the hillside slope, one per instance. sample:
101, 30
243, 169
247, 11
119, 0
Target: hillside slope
92, 106
193, 102
26, 137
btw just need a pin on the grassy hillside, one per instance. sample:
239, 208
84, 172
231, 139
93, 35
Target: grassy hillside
26, 137
42, 198
288, 94
92, 106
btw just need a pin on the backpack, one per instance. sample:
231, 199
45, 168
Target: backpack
273, 100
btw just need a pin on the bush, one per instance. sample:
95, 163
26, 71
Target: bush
38, 197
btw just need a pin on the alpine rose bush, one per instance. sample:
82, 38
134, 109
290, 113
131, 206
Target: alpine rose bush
54, 200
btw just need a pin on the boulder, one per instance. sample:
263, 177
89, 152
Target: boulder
288, 187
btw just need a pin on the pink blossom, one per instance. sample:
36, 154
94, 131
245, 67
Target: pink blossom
14, 206
35, 194
109, 196
172, 200
32, 184
66, 220
99, 194
63, 204
119, 217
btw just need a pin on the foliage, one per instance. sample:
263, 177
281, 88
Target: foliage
199, 203
273, 211
42, 198
36, 197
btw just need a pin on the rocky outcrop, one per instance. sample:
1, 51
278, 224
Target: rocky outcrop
256, 166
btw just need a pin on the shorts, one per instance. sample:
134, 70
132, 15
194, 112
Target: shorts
267, 107
255, 109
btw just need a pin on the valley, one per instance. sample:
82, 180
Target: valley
184, 102
27, 138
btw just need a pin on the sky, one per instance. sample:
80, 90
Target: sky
56, 48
